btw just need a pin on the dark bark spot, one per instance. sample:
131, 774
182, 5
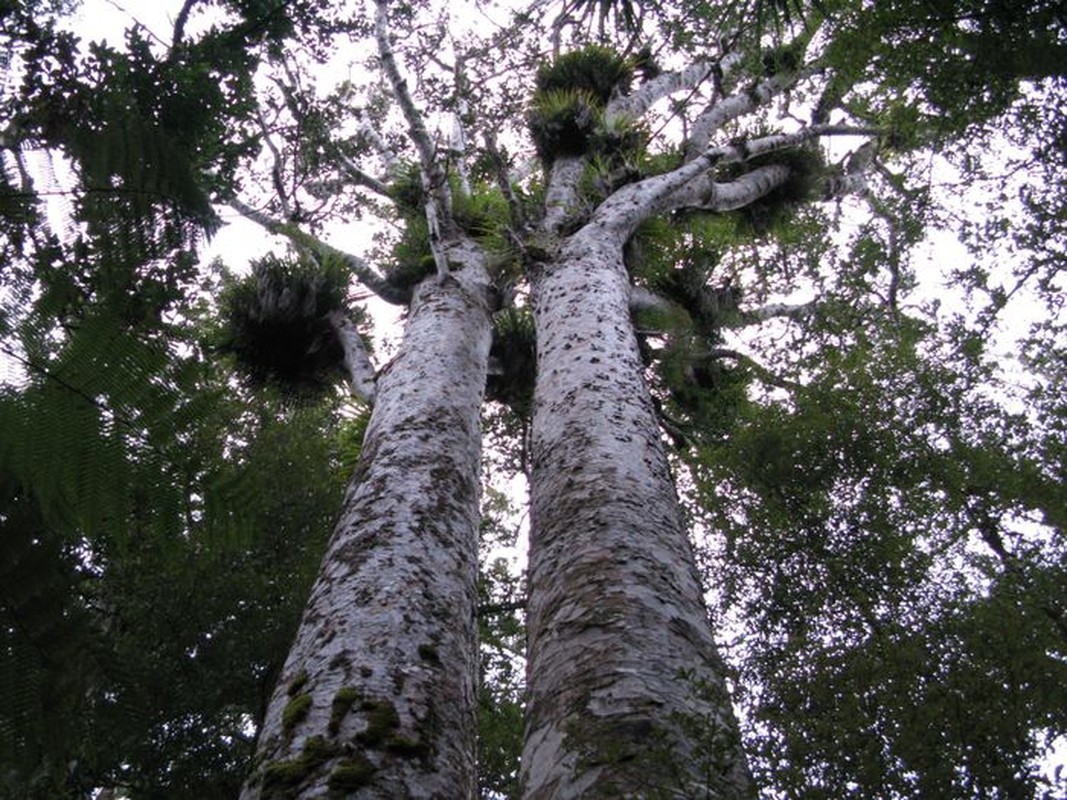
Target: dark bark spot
428, 652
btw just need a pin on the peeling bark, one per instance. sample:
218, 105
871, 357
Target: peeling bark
376, 698
622, 667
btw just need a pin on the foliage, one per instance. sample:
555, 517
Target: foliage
158, 536
875, 661
501, 635
571, 92
599, 71
276, 324
147, 614
965, 61
807, 175
480, 212
514, 358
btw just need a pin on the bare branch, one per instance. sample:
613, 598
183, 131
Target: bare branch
692, 185
737, 105
361, 377
561, 194
370, 133
744, 190
773, 310
642, 299
458, 144
319, 250
277, 165
438, 198
362, 178
636, 104
180, 22
420, 137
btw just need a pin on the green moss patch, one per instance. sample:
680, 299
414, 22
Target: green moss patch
298, 682
342, 702
296, 711
350, 774
282, 775
382, 721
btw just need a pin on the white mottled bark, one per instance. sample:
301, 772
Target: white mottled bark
622, 667
376, 698
361, 377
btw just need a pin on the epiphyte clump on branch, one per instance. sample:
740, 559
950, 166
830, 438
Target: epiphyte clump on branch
569, 99
276, 324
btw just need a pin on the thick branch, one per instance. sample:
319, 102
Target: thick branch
561, 195
319, 249
740, 192
361, 376
736, 105
635, 105
642, 299
692, 185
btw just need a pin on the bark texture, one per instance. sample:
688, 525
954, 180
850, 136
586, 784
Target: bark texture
627, 697
376, 698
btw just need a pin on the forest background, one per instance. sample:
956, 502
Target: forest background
867, 433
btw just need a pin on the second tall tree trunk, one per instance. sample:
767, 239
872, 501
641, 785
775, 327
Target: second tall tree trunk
627, 696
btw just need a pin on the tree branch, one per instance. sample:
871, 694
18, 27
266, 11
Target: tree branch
438, 204
637, 103
319, 249
737, 105
692, 185
561, 195
362, 178
180, 22
370, 133
642, 299
361, 376
458, 143
276, 166
761, 372
773, 310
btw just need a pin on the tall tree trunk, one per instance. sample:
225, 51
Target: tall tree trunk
627, 696
376, 698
